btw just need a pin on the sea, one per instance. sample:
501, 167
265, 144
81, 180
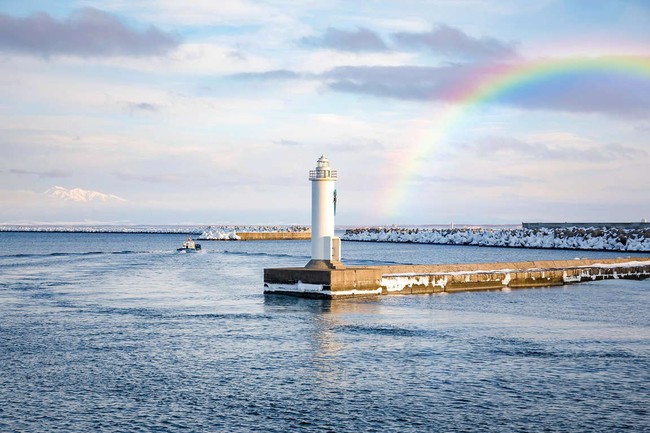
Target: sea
118, 332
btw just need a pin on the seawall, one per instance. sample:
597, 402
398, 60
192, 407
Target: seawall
427, 279
272, 236
628, 226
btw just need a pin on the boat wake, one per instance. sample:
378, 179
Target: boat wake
245, 253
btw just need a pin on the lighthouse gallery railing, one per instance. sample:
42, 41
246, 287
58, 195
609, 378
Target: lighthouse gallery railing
322, 174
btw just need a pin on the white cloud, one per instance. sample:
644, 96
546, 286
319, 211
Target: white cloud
325, 60
205, 57
197, 12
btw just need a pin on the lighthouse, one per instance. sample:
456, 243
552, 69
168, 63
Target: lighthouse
325, 247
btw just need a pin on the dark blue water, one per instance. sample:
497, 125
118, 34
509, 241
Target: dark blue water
118, 332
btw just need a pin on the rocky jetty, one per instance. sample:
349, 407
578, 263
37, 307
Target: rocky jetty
580, 238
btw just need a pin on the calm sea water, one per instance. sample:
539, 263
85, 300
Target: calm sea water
118, 332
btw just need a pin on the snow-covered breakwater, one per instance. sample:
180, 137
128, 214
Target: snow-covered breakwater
167, 229
592, 238
161, 229
227, 233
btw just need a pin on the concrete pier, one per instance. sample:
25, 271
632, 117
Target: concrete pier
426, 279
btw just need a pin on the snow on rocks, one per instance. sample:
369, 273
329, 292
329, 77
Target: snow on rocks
217, 234
592, 238
101, 228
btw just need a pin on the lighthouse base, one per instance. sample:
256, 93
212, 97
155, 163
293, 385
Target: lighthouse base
324, 264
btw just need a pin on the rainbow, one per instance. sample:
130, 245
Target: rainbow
495, 82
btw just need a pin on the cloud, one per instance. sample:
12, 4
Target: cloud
442, 40
237, 55
204, 13
486, 62
583, 92
79, 195
278, 74
399, 82
536, 151
169, 178
134, 107
288, 143
354, 144
41, 174
481, 182
586, 92
451, 42
87, 32
361, 40
358, 144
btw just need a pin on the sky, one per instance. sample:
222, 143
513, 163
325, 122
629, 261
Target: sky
433, 112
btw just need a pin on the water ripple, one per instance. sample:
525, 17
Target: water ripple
128, 336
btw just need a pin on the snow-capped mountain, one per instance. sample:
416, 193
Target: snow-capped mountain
81, 195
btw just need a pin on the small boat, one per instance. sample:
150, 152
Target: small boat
189, 246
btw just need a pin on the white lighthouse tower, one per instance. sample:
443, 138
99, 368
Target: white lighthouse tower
325, 247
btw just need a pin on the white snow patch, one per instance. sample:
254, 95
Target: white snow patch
440, 282
570, 279
396, 283
218, 235
630, 264
301, 287
355, 292
298, 287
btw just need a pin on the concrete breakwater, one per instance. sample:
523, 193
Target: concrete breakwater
255, 233
273, 236
217, 232
580, 238
428, 279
